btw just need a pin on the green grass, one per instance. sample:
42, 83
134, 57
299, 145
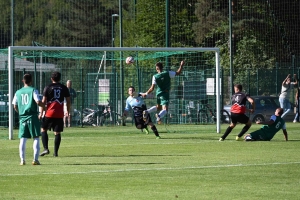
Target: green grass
123, 163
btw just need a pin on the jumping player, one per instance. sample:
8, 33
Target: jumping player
163, 81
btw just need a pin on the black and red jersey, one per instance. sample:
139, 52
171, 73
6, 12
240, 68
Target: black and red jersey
239, 100
55, 93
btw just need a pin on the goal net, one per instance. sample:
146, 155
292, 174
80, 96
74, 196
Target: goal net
101, 77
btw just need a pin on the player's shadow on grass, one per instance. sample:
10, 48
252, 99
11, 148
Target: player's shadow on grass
114, 163
192, 138
122, 156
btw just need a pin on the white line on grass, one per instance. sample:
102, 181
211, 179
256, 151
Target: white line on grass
151, 169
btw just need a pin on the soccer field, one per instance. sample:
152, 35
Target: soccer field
124, 163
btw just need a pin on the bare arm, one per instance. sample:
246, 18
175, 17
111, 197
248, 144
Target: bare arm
251, 101
180, 68
40, 104
16, 108
288, 76
148, 91
42, 108
285, 134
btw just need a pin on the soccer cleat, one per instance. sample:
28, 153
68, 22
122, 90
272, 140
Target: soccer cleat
158, 120
239, 138
36, 162
46, 151
248, 138
55, 155
145, 115
158, 137
294, 121
22, 162
221, 139
146, 130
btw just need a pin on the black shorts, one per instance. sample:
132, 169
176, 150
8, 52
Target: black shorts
140, 123
241, 118
56, 124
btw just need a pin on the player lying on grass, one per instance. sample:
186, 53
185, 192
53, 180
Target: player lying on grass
136, 103
269, 129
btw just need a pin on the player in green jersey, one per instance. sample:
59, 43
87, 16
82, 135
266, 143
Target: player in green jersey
26, 102
269, 129
163, 81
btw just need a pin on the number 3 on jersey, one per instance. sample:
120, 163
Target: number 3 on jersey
57, 93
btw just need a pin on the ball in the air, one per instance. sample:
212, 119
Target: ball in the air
129, 60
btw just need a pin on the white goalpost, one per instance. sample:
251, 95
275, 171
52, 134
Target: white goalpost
11, 81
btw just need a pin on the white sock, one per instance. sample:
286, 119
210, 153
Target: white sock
22, 147
152, 109
36, 148
162, 113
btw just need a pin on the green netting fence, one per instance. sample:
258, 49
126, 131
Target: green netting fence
96, 77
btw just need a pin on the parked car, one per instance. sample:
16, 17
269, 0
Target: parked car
265, 108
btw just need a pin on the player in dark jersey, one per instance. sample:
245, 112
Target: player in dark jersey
53, 97
238, 110
163, 81
269, 129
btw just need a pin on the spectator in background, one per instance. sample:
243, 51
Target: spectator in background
286, 89
73, 95
26, 102
297, 99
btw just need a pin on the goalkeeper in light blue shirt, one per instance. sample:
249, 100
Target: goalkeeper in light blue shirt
136, 103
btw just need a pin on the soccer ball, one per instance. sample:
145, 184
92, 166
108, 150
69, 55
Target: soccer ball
129, 60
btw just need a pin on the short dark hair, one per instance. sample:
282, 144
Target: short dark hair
56, 76
280, 111
27, 78
132, 88
239, 86
159, 65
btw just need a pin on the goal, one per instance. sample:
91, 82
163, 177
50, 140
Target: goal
101, 77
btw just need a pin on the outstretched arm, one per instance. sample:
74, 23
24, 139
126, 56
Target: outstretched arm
148, 91
288, 76
180, 68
